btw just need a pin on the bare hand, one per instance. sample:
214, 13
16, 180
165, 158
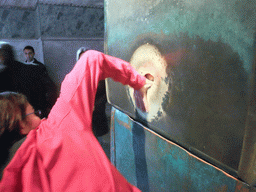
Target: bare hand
141, 96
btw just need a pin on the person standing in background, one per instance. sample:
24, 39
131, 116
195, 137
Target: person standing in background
5, 79
43, 92
12, 71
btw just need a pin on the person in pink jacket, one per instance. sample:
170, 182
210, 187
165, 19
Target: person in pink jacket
61, 152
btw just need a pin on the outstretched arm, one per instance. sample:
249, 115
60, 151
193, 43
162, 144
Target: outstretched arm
123, 72
79, 87
106, 66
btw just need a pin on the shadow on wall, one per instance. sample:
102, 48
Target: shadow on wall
139, 148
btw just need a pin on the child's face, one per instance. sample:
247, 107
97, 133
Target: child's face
30, 122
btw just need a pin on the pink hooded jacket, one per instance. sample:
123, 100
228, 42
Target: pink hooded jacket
62, 154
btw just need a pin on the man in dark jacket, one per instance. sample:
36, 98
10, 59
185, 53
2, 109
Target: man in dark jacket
42, 93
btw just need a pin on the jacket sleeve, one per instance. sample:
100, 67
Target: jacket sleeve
96, 66
119, 70
79, 87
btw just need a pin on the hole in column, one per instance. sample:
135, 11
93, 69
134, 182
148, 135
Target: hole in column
150, 63
149, 77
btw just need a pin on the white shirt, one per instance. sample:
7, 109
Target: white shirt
30, 63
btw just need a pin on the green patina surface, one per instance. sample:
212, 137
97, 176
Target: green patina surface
167, 166
210, 47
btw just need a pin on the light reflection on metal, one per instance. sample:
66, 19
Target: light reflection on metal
149, 62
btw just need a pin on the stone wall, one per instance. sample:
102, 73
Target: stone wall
19, 24
55, 31
52, 21
67, 21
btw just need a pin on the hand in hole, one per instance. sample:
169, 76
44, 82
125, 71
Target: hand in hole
141, 96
